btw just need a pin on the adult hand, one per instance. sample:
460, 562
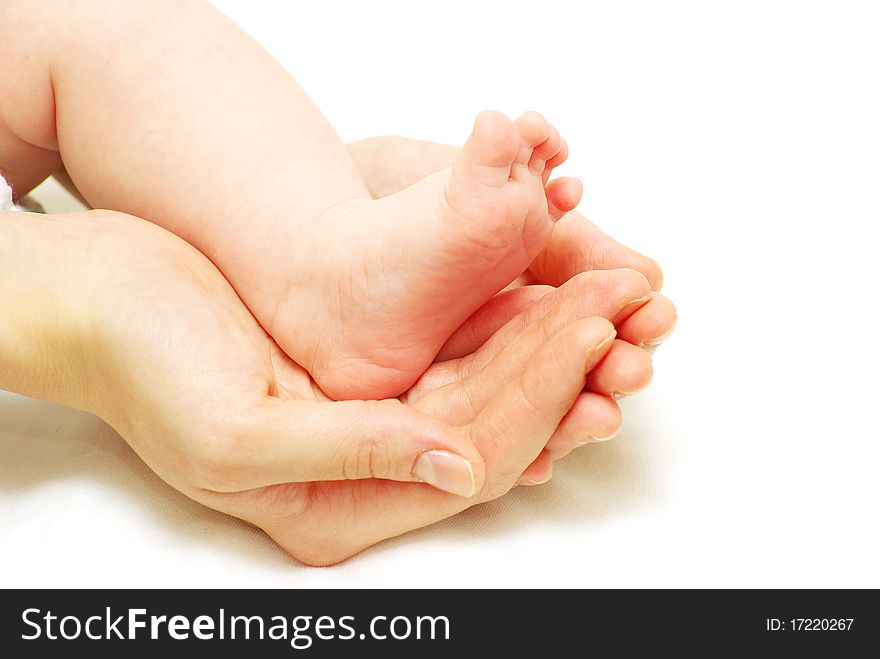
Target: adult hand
155, 341
576, 246
119, 317
518, 393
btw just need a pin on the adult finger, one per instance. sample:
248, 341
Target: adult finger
614, 295
295, 442
577, 245
488, 319
593, 418
340, 519
539, 472
512, 429
611, 294
650, 325
626, 370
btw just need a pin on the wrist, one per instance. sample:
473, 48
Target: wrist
45, 328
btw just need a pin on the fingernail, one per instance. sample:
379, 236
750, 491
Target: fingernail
446, 471
531, 481
652, 344
594, 440
628, 308
617, 395
590, 365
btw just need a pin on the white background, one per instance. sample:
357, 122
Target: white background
737, 143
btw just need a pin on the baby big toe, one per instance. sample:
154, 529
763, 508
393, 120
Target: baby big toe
490, 150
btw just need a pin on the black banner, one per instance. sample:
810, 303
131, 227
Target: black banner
317, 623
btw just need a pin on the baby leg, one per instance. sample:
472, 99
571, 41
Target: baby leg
167, 110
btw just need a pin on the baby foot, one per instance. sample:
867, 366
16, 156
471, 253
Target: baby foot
391, 279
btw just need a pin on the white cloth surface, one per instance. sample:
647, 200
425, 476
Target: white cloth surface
736, 144
6, 196
79, 508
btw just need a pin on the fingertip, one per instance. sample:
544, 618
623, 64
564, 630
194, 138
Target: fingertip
633, 260
652, 270
447, 471
651, 324
593, 418
657, 278
538, 472
626, 371
449, 461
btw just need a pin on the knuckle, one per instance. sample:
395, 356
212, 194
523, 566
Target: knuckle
366, 457
362, 460
527, 386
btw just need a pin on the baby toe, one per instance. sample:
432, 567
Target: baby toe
545, 151
533, 130
555, 161
490, 150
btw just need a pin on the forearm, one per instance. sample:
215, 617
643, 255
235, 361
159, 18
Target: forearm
43, 326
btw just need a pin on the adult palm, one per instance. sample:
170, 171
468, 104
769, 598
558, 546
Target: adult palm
187, 376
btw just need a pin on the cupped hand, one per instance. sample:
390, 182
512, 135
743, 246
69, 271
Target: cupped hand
186, 375
182, 370
510, 408
512, 397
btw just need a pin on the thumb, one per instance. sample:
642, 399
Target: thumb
295, 441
